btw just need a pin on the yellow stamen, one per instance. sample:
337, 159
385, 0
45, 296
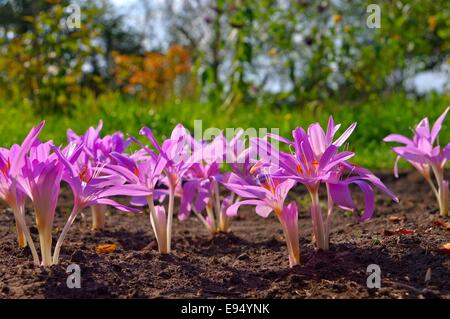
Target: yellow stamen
255, 167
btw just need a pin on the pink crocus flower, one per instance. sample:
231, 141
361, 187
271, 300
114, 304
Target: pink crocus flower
316, 161
15, 201
312, 163
199, 191
201, 185
96, 148
289, 223
176, 151
92, 186
41, 178
269, 196
11, 163
96, 151
146, 170
426, 155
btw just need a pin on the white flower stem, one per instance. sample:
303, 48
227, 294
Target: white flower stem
20, 220
290, 233
170, 217
329, 219
98, 217
443, 200
204, 222
158, 228
435, 191
45, 239
442, 193
317, 221
64, 232
21, 238
210, 213
222, 223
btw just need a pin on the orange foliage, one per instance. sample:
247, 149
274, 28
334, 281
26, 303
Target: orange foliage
153, 76
105, 249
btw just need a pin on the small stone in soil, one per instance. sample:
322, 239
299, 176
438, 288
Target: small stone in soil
164, 274
243, 256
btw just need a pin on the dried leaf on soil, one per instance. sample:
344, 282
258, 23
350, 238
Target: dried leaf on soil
445, 248
399, 231
440, 223
105, 249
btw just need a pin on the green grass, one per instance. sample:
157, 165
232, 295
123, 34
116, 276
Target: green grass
375, 120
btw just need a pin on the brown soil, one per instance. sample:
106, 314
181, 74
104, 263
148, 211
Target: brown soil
250, 262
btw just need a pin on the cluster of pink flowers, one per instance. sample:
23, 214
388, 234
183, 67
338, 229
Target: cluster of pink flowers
425, 153
210, 179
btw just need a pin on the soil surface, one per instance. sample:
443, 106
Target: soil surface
249, 262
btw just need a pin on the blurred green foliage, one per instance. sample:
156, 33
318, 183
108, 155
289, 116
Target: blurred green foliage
43, 62
375, 120
297, 53
52, 65
319, 49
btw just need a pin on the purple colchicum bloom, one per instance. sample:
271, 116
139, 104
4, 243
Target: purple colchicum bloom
96, 169
96, 151
174, 154
175, 150
41, 178
92, 186
316, 161
426, 155
269, 196
199, 191
201, 186
289, 223
11, 162
145, 170
15, 201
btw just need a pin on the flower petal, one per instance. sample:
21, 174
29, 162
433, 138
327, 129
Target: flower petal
340, 193
110, 202
126, 190
233, 209
438, 125
369, 200
398, 138
263, 210
341, 140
